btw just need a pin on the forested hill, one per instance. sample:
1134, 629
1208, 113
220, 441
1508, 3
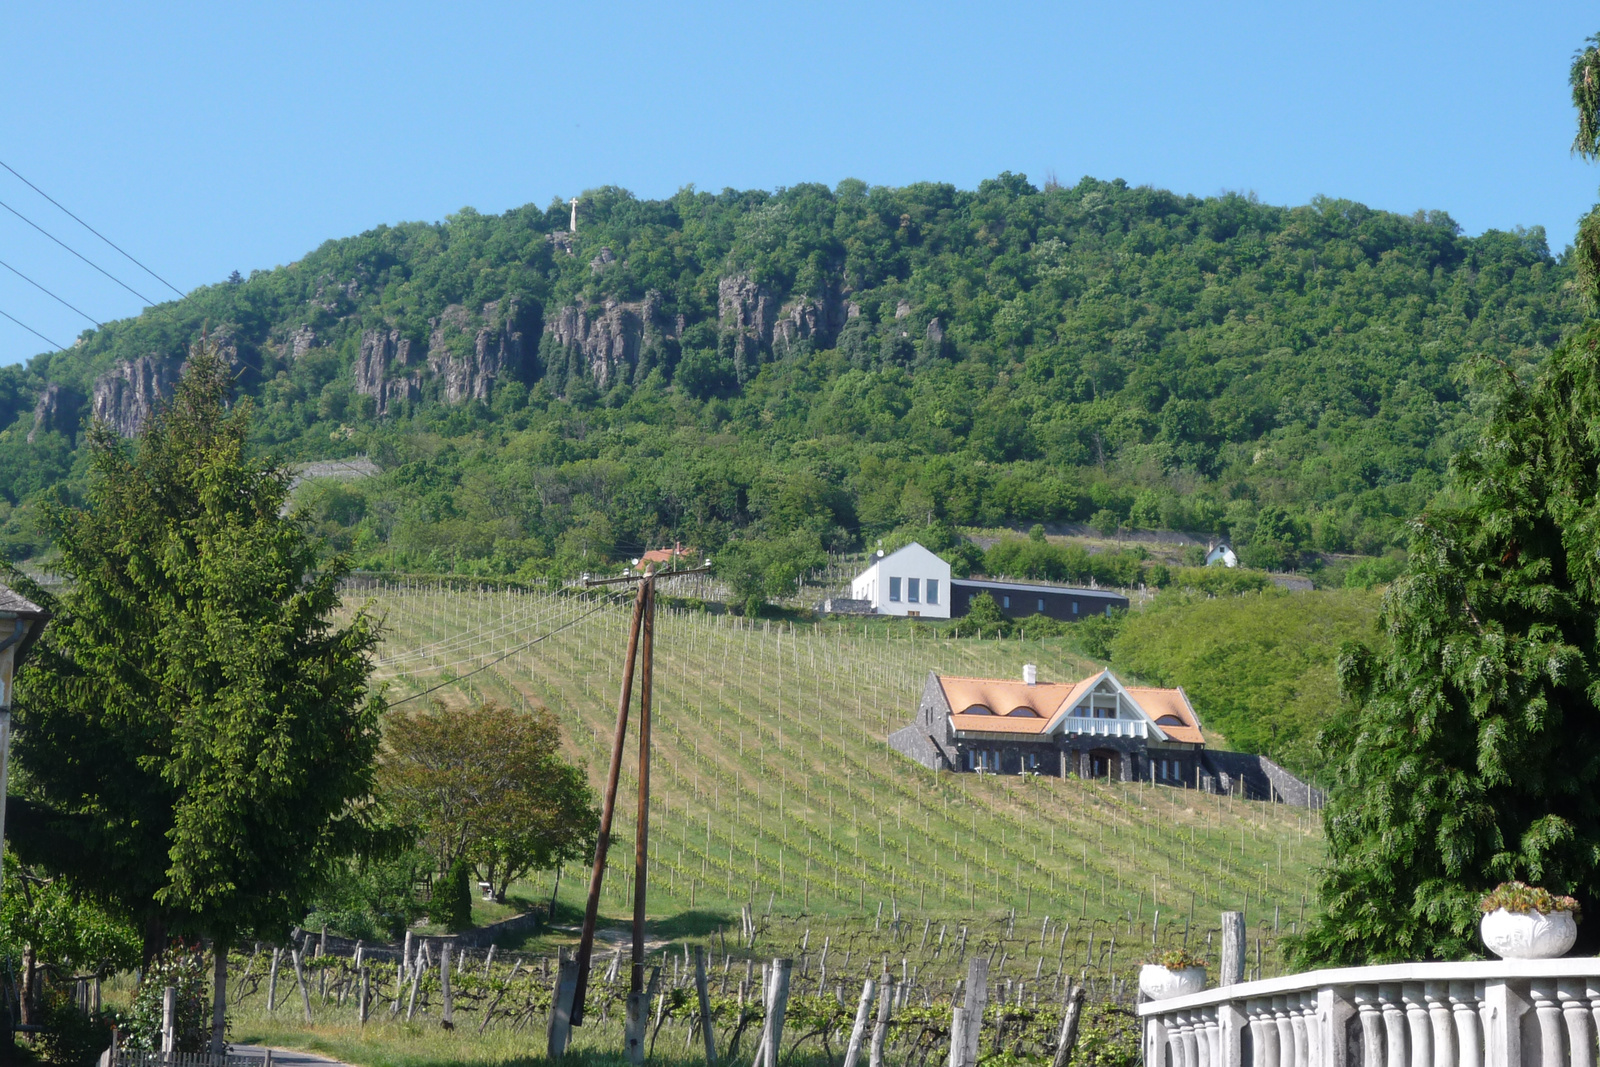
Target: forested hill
823, 366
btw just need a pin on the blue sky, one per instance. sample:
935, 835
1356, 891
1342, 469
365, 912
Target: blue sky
206, 138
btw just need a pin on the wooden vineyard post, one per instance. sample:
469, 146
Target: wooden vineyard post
607, 812
863, 1011
1232, 948
977, 999
707, 1029
272, 981
1069, 1028
300, 980
447, 1009
560, 1031
777, 1004
881, 1031
366, 993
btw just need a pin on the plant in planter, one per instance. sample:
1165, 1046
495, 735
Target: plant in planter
1172, 974
1524, 922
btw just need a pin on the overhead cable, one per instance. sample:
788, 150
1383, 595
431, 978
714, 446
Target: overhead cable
75, 252
48, 293
507, 654
36, 333
91, 229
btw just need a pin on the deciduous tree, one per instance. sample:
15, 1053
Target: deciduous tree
487, 784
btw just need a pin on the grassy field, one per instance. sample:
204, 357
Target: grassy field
772, 784
773, 788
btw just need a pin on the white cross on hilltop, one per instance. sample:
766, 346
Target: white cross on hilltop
573, 227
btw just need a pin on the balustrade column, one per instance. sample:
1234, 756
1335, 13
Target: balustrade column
1366, 998
1436, 996
1175, 1041
1591, 991
1571, 994
1298, 1022
1394, 1025
1286, 1047
1264, 1029
1417, 1023
1464, 1006
1191, 1049
1211, 1039
1548, 1012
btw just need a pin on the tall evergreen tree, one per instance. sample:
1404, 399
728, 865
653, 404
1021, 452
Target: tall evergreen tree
1473, 752
197, 733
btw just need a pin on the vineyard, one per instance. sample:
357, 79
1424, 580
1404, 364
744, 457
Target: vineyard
773, 786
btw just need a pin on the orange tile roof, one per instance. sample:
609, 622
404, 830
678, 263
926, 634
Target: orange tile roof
1002, 697
1048, 700
1000, 724
665, 555
1160, 702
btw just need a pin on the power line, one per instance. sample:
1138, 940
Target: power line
47, 292
36, 333
510, 652
92, 230
75, 252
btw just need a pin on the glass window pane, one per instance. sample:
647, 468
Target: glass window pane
933, 590
913, 589
894, 589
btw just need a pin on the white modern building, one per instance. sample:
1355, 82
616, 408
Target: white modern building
910, 581
1221, 556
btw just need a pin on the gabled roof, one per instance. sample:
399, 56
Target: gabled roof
1160, 703
987, 705
1000, 697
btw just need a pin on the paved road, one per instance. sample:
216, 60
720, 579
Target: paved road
287, 1057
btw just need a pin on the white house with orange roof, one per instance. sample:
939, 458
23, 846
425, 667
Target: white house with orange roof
1095, 727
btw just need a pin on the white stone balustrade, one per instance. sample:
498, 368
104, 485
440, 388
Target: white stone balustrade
1500, 1013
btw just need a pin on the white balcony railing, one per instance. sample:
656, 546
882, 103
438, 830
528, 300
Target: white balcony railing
1503, 1013
1106, 727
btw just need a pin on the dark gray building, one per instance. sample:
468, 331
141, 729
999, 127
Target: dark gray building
1021, 599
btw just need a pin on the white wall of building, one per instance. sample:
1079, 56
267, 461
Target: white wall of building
910, 581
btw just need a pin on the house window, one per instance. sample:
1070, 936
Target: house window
913, 589
1033, 761
933, 590
1074, 607
1108, 611
894, 590
1006, 602
1041, 606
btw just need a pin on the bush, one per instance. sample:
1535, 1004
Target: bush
185, 968
72, 1038
1219, 581
452, 898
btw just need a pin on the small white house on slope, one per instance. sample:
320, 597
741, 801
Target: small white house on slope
910, 581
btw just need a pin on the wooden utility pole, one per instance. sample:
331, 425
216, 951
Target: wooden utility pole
607, 811
643, 625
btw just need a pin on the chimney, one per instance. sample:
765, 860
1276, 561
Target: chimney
1030, 674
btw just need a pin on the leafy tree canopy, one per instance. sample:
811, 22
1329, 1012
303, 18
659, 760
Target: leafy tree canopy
197, 733
1097, 352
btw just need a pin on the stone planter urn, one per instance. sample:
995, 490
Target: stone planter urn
1159, 983
1525, 935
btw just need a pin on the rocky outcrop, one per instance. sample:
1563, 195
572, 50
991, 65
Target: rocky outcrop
392, 368
496, 348
746, 315
818, 320
55, 412
298, 343
602, 261
127, 394
609, 341
387, 368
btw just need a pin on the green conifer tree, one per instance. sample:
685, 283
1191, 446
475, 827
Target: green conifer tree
1472, 754
197, 735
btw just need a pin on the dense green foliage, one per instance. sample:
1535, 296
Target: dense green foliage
1259, 667
1108, 354
1471, 759
194, 728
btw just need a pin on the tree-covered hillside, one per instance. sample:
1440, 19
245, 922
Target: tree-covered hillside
827, 365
